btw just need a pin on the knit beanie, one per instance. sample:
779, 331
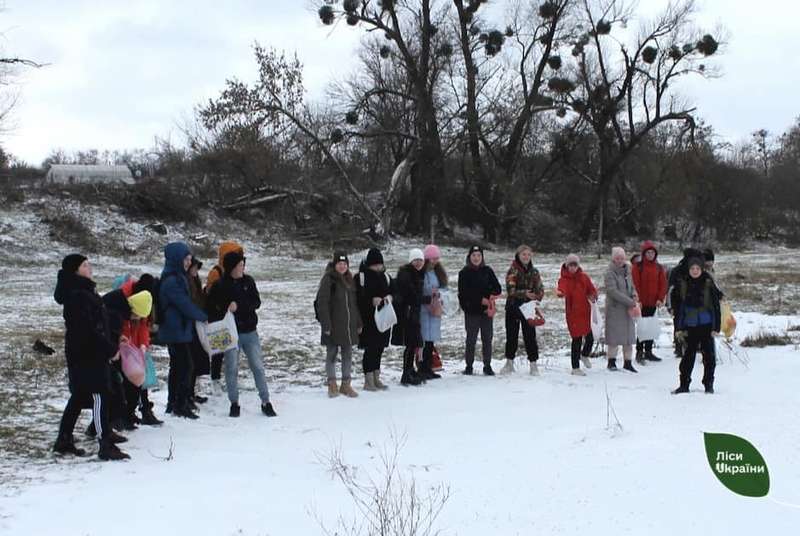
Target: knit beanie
141, 304
72, 262
432, 252
374, 256
231, 260
340, 256
696, 261
145, 282
475, 248
416, 254
572, 258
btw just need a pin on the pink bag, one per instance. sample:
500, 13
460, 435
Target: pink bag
133, 363
635, 311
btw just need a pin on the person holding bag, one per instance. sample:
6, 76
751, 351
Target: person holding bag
374, 292
340, 321
478, 289
579, 293
237, 293
622, 306
650, 280
432, 308
523, 285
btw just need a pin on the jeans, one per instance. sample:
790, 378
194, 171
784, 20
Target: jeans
251, 346
347, 362
485, 325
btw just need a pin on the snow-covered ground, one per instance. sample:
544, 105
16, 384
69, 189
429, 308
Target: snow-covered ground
521, 455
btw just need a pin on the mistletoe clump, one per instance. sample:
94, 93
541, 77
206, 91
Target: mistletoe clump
385, 52
494, 42
603, 27
446, 50
548, 10
554, 62
560, 85
337, 135
561, 112
707, 45
351, 117
649, 54
675, 52
509, 31
351, 6
352, 20
326, 15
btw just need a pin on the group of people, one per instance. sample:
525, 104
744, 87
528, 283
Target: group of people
169, 308
346, 307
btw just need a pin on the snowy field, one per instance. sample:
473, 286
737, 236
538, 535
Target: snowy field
519, 455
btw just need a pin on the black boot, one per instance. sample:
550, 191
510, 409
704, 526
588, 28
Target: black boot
487, 370
67, 446
639, 355
235, 410
148, 417
186, 412
268, 410
468, 370
709, 388
612, 364
409, 378
110, 452
629, 366
683, 388
116, 438
650, 356
200, 399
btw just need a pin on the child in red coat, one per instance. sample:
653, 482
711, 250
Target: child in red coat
577, 289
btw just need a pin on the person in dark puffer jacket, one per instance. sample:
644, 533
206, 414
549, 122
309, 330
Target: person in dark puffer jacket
177, 326
695, 299
477, 289
407, 304
237, 292
374, 290
89, 347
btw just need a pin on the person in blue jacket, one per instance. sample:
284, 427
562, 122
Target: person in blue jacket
178, 315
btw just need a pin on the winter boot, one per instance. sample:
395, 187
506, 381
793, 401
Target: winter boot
200, 399
487, 370
682, 388
67, 446
640, 357
534, 369
629, 366
186, 412
508, 368
148, 417
333, 389
709, 388
650, 356
468, 370
116, 438
235, 410
378, 383
587, 363
268, 410
369, 382
347, 390
110, 452
409, 378
612, 363
578, 372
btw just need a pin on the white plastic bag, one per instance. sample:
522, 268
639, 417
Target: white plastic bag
648, 328
528, 309
385, 317
449, 301
597, 322
218, 337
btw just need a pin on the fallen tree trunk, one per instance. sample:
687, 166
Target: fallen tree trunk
255, 202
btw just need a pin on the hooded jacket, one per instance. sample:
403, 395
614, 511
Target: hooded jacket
650, 278
88, 343
337, 303
138, 331
216, 273
474, 284
178, 311
244, 292
577, 288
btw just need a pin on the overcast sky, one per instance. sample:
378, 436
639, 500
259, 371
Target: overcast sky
123, 72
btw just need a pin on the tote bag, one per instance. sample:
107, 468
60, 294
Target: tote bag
218, 337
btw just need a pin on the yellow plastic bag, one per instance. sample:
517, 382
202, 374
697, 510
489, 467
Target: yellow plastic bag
728, 320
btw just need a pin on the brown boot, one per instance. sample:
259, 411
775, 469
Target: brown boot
369, 381
378, 383
347, 390
333, 389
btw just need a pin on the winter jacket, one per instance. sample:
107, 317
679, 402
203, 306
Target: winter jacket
430, 325
650, 278
244, 292
577, 289
118, 311
136, 330
88, 344
179, 313
474, 284
407, 305
216, 273
337, 305
371, 284
521, 279
620, 296
696, 303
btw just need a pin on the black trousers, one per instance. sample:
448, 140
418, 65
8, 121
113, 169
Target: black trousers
216, 366
646, 346
475, 324
132, 396
515, 319
698, 338
581, 346
372, 358
79, 401
180, 374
